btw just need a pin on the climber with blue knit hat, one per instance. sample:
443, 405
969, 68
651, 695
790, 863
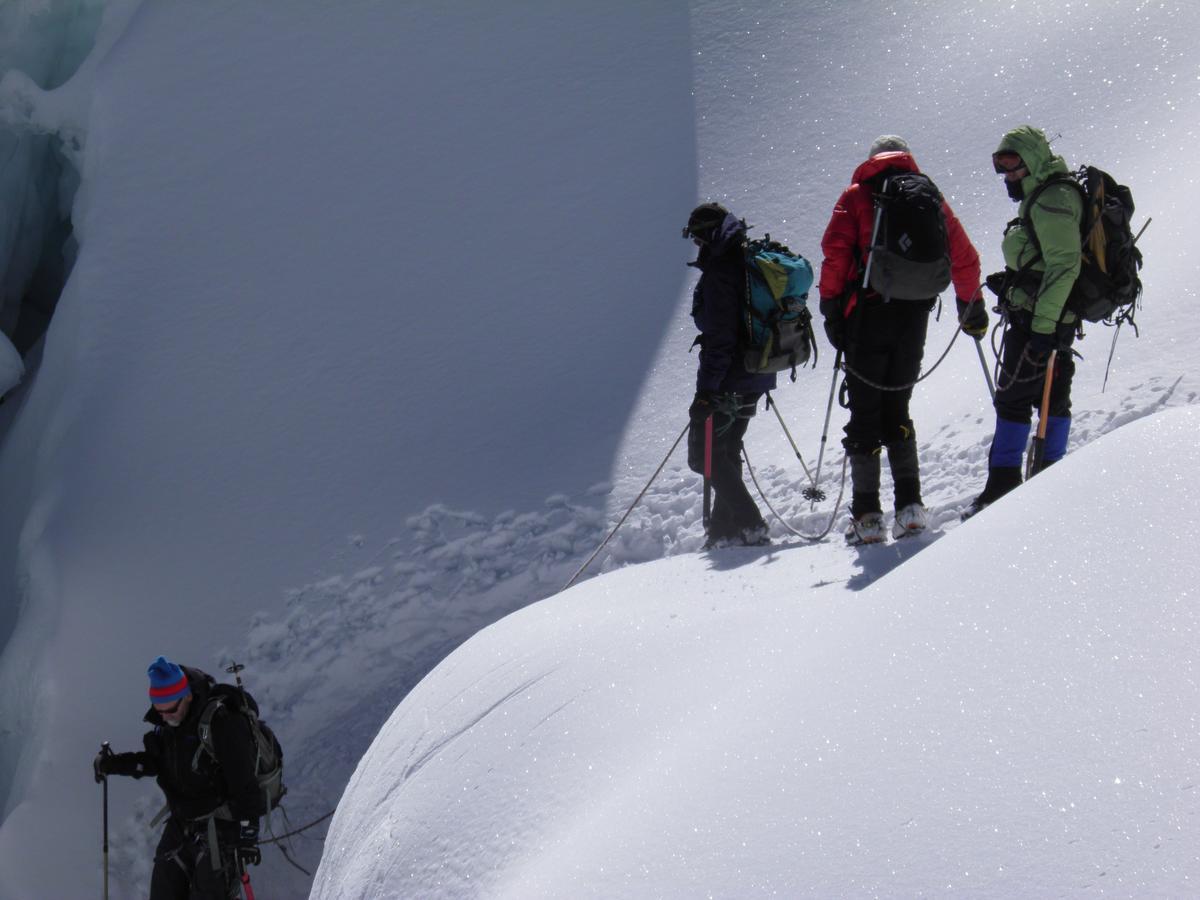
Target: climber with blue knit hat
213, 799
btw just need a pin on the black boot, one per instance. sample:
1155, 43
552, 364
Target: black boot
864, 483
1001, 480
906, 471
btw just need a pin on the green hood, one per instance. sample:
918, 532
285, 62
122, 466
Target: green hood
1035, 152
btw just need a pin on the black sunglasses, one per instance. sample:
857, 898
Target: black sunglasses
172, 709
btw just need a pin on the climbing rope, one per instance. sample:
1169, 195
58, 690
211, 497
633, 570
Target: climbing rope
832, 518
301, 830
903, 387
635, 502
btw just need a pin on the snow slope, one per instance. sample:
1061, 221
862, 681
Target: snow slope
1013, 713
253, 436
338, 263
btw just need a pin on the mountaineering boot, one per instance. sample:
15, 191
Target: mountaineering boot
1001, 480
866, 529
906, 471
1057, 430
866, 517
864, 483
1008, 444
756, 536
1004, 463
910, 520
751, 536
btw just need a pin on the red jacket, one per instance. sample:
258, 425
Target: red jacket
849, 233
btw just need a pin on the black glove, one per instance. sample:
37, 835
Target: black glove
995, 282
1039, 347
973, 317
701, 408
835, 323
248, 853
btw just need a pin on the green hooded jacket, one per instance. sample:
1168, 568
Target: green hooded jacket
1056, 217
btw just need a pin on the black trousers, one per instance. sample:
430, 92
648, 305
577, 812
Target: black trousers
885, 344
1019, 383
733, 510
183, 866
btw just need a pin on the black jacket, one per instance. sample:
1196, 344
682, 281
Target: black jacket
717, 303
194, 783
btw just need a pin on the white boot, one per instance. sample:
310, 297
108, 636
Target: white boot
866, 529
910, 520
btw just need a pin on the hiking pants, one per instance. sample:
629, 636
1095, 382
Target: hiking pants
1019, 383
733, 508
885, 344
183, 867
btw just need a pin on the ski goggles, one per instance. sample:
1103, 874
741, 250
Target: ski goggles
1007, 162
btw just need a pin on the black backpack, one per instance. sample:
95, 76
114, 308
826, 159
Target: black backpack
1108, 285
909, 256
268, 754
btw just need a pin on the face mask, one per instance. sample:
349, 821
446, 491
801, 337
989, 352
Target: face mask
1016, 190
174, 723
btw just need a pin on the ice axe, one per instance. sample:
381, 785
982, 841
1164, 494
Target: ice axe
1037, 453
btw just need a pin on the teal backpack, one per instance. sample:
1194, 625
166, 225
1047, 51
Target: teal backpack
778, 331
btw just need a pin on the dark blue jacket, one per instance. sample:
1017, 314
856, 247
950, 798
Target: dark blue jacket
717, 304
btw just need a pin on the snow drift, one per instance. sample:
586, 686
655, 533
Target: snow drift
1011, 713
337, 264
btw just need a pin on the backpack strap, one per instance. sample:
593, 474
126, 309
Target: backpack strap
204, 731
1022, 276
1027, 220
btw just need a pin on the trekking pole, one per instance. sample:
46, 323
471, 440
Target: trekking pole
706, 516
1111, 350
636, 499
1037, 452
791, 440
813, 492
235, 669
986, 373
107, 751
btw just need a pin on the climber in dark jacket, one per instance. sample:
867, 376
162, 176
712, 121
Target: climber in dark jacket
724, 389
213, 800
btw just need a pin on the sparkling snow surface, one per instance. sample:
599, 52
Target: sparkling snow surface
1013, 713
380, 321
